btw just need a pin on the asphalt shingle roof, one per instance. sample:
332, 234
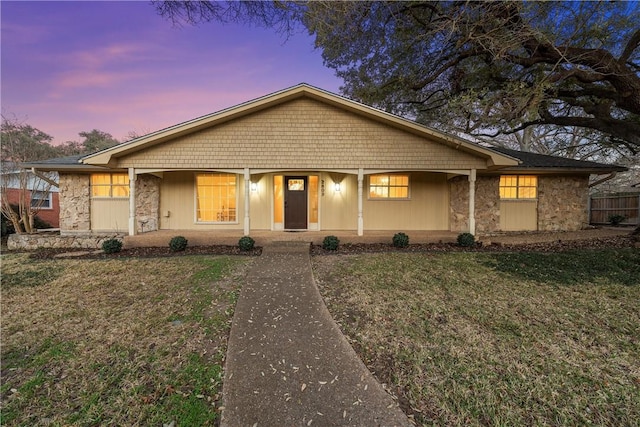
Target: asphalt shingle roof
538, 161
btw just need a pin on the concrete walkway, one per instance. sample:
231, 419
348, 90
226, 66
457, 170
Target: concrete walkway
287, 363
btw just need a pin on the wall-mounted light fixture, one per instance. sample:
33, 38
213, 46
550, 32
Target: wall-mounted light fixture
337, 187
254, 186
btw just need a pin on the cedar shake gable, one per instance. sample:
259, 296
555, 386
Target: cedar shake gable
314, 138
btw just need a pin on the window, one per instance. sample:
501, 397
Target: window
518, 187
110, 185
41, 200
389, 186
216, 197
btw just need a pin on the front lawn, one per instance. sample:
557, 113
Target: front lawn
115, 342
496, 338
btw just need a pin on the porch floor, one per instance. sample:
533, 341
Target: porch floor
263, 237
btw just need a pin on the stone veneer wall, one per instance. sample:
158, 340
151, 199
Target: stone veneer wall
459, 203
75, 203
562, 202
487, 204
147, 203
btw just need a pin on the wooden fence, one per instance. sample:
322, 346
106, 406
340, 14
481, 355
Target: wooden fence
601, 208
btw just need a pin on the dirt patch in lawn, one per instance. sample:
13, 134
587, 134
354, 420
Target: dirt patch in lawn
115, 341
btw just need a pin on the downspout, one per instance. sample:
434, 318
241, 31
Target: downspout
45, 178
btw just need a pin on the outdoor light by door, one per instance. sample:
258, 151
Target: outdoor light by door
254, 187
337, 186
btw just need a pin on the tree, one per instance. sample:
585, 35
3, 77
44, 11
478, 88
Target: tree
93, 141
487, 68
97, 140
21, 143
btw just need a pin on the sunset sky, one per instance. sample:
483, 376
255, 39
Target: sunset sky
69, 67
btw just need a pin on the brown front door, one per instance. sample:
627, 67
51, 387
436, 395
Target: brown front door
295, 202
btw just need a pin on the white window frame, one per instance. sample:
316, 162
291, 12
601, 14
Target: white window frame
195, 198
44, 206
388, 198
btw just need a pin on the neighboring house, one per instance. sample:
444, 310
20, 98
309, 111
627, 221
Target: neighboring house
307, 159
40, 195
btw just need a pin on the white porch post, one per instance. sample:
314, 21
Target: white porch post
472, 202
360, 219
132, 202
247, 201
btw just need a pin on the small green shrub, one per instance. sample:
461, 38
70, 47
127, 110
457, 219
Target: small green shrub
178, 243
111, 246
330, 243
400, 240
616, 219
246, 243
466, 239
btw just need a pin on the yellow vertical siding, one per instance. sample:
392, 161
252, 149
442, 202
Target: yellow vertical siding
109, 214
426, 209
177, 197
518, 215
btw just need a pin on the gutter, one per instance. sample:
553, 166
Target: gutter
45, 178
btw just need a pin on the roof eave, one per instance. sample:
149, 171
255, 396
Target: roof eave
47, 167
563, 170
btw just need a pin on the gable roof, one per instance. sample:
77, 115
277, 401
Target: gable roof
107, 156
541, 162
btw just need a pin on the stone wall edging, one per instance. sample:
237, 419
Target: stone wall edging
47, 240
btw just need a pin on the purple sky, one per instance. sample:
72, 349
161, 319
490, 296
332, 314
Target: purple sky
69, 67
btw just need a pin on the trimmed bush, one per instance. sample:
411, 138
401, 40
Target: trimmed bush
246, 243
616, 219
178, 243
466, 239
400, 240
111, 246
330, 243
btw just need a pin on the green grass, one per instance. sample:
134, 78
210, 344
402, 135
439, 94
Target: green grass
115, 342
496, 338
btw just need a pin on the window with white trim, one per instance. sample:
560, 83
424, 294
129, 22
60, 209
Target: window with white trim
41, 200
109, 185
389, 186
216, 197
519, 187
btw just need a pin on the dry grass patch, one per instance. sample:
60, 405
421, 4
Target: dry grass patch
496, 339
115, 342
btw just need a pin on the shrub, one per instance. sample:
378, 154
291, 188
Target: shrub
330, 243
111, 246
178, 243
400, 240
616, 219
246, 243
466, 239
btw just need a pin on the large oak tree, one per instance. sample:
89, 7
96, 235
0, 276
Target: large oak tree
487, 68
